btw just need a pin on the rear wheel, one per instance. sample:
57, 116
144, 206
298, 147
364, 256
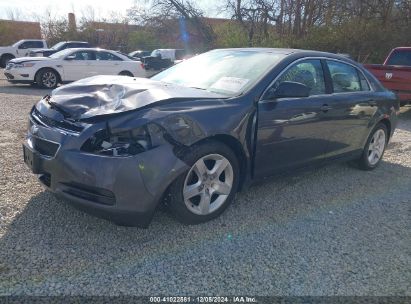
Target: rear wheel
374, 148
205, 190
47, 79
126, 73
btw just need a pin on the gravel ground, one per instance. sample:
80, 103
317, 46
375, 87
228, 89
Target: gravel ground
333, 231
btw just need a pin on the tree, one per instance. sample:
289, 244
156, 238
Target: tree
143, 40
257, 17
180, 16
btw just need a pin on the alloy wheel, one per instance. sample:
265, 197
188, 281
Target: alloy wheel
49, 79
208, 184
376, 147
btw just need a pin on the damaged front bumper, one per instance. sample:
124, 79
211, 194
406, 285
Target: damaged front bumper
125, 190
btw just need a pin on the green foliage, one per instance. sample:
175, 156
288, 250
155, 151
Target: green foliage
365, 41
230, 35
143, 40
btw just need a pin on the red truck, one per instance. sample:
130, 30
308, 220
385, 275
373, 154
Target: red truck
395, 73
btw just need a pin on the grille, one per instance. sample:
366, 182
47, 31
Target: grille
44, 147
46, 121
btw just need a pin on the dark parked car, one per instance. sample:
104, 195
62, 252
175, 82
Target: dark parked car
201, 130
59, 47
161, 59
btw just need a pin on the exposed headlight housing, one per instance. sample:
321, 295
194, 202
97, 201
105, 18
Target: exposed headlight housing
23, 65
124, 143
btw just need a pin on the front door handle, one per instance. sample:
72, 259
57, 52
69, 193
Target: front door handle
325, 108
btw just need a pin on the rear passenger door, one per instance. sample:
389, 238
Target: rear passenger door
351, 104
107, 63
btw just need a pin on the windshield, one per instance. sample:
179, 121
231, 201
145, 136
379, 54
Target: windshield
228, 72
61, 54
57, 45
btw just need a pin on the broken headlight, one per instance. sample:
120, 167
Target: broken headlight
126, 143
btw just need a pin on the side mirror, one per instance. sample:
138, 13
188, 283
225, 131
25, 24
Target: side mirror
22, 47
70, 57
289, 89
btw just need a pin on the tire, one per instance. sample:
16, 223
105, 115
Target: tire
47, 78
126, 73
216, 188
374, 148
5, 59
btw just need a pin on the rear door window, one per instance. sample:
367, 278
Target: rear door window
85, 55
107, 56
345, 78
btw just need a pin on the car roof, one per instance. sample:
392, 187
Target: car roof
91, 49
283, 51
289, 51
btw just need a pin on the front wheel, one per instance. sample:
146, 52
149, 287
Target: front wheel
374, 148
47, 79
206, 189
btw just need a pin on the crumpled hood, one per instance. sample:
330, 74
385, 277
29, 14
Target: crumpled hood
102, 95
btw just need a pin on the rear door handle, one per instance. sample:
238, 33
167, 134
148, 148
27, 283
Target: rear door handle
325, 108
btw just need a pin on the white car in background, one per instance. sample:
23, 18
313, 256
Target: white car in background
19, 49
70, 65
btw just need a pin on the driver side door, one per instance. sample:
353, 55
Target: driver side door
27, 46
292, 132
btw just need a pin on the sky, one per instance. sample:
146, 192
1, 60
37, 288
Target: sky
29, 9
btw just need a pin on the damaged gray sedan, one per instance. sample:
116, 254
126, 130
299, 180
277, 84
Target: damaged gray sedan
195, 134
